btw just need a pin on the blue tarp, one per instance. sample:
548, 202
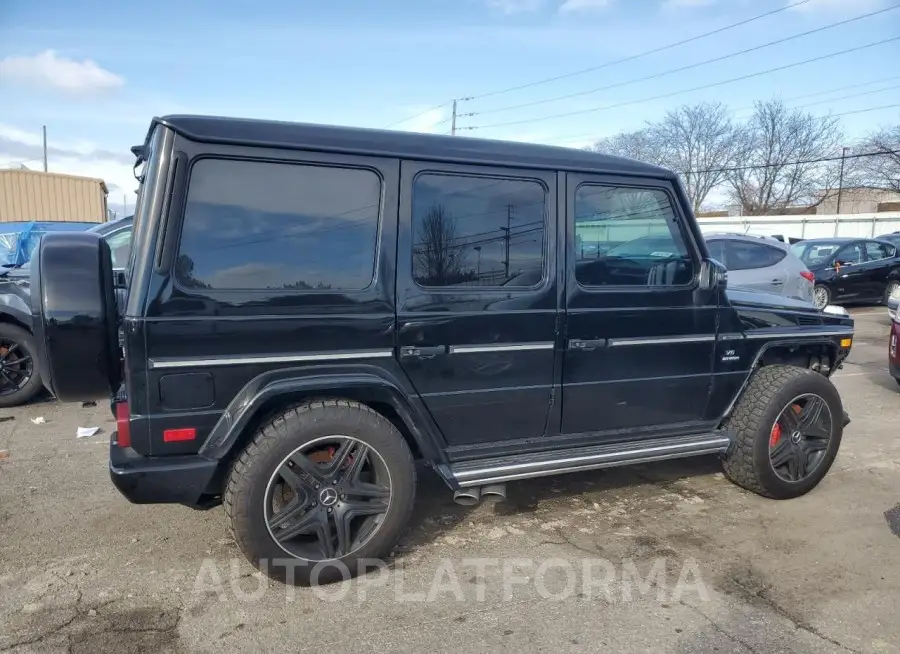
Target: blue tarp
18, 239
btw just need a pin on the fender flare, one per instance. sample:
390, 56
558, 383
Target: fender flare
818, 340
372, 383
17, 311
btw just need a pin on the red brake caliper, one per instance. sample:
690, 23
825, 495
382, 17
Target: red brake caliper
776, 435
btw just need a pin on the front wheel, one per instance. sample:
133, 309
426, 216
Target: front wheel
321, 490
821, 296
787, 428
20, 375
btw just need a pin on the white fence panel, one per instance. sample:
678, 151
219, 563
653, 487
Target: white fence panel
860, 225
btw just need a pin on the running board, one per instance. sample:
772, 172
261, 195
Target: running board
541, 464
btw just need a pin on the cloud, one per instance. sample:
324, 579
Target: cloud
570, 6
72, 157
514, 6
49, 70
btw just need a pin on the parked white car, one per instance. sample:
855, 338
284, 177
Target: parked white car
893, 304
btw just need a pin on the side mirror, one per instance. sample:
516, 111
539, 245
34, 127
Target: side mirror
713, 274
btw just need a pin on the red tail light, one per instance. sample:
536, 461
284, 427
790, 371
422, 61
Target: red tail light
123, 425
179, 435
808, 276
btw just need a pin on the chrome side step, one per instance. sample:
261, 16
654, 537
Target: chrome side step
508, 468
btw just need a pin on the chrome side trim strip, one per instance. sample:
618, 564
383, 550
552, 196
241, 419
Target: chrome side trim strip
556, 464
665, 340
503, 347
160, 364
716, 446
798, 334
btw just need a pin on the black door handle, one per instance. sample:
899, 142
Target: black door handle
581, 345
423, 352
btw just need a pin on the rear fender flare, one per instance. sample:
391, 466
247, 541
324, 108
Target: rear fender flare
369, 383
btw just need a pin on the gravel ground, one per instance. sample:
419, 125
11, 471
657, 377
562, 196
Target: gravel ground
662, 558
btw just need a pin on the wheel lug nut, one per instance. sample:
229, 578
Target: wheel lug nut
330, 510
343, 497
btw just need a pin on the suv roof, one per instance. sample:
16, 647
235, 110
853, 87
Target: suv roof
328, 138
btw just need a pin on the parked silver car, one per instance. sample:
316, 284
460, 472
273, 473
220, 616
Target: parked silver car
894, 304
763, 263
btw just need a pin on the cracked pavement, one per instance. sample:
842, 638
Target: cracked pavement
583, 561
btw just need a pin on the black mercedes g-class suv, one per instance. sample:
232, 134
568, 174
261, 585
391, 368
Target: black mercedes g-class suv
310, 309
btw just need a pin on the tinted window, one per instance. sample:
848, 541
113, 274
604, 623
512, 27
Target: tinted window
628, 237
851, 254
876, 251
746, 256
815, 254
477, 231
251, 225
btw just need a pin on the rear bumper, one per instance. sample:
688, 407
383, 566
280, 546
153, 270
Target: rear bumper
162, 480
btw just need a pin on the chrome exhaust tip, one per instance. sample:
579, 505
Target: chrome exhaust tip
467, 496
496, 492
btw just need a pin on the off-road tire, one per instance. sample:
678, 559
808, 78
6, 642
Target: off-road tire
34, 384
245, 487
769, 391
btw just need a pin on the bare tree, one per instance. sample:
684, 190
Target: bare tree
882, 171
777, 157
640, 145
699, 143
438, 257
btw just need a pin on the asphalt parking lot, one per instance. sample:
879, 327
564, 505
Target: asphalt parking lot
663, 558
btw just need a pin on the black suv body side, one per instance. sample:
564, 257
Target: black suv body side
456, 287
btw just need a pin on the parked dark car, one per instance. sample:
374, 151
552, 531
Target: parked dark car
893, 238
311, 309
851, 270
20, 370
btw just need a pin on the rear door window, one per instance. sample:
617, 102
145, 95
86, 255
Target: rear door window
747, 256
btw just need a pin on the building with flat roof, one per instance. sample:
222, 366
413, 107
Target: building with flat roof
33, 195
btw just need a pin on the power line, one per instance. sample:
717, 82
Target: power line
608, 64
421, 113
837, 99
680, 69
683, 91
782, 164
862, 111
842, 88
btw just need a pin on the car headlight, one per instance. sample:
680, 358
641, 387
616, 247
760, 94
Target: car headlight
836, 310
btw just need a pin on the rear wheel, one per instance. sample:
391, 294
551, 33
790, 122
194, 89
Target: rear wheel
20, 377
821, 296
787, 427
321, 489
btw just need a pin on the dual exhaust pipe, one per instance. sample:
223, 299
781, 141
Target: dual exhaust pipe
475, 494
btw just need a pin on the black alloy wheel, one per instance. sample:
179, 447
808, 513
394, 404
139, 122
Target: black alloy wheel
327, 498
800, 438
16, 367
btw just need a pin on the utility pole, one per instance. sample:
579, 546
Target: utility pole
453, 120
44, 129
841, 181
507, 236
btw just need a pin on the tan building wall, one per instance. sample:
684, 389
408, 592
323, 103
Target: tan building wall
27, 195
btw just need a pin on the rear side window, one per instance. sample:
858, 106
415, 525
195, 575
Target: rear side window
627, 236
258, 226
876, 251
747, 256
478, 231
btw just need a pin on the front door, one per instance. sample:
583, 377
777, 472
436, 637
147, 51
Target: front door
477, 300
640, 333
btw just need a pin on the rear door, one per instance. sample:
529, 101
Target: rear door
477, 298
880, 265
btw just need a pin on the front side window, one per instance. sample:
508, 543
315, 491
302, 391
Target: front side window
850, 255
628, 236
478, 231
257, 226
